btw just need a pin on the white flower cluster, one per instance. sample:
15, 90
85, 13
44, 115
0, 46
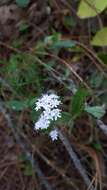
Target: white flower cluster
49, 104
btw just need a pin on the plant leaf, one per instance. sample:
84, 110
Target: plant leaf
63, 44
18, 105
69, 21
97, 146
78, 101
28, 170
96, 111
91, 8
22, 3
66, 119
103, 57
55, 42
100, 39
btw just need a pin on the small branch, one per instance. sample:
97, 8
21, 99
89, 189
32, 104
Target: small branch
75, 159
102, 126
60, 171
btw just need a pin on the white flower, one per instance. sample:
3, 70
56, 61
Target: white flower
42, 123
54, 134
55, 114
47, 102
52, 114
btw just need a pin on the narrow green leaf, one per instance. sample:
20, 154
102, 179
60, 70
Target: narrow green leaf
96, 111
63, 44
100, 39
78, 101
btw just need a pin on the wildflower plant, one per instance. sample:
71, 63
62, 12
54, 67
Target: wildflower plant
48, 103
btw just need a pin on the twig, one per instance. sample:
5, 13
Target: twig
60, 171
102, 126
75, 159
66, 64
3, 172
92, 55
53, 56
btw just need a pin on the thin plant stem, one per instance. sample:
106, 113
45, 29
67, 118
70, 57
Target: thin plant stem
75, 159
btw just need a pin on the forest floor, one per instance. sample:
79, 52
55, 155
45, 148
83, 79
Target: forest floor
45, 47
